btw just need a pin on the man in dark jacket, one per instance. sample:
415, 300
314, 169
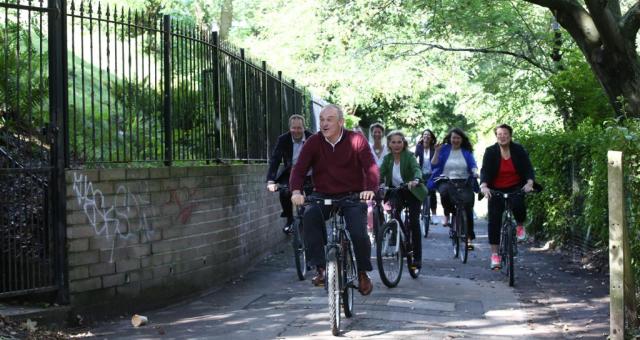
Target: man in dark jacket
286, 151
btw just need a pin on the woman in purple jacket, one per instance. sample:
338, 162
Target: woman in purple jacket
454, 159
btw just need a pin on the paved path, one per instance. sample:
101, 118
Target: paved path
449, 300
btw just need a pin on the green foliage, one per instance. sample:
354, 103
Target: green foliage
572, 167
577, 89
24, 82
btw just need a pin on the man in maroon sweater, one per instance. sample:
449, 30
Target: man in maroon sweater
342, 163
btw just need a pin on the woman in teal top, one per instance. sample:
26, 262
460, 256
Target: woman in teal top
400, 166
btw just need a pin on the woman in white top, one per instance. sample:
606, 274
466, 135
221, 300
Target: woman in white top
425, 150
378, 149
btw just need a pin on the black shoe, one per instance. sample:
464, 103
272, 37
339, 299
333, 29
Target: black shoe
288, 228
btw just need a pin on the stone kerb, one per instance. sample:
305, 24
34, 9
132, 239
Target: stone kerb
163, 232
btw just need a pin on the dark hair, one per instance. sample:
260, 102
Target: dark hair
466, 143
376, 125
433, 137
503, 126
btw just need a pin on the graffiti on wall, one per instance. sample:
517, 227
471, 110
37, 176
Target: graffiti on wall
112, 219
186, 205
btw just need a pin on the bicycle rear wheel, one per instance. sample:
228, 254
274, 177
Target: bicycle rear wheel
461, 226
297, 242
333, 290
389, 253
350, 275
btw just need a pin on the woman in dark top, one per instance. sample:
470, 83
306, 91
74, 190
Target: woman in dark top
506, 167
424, 152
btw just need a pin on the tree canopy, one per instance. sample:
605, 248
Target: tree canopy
431, 63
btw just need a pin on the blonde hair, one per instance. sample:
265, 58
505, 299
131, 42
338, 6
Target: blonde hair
398, 133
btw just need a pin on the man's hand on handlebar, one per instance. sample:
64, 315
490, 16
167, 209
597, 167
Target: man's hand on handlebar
296, 198
271, 186
367, 195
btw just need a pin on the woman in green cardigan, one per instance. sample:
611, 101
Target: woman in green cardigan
400, 166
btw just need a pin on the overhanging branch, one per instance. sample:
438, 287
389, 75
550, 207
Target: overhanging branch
473, 50
606, 23
631, 22
557, 5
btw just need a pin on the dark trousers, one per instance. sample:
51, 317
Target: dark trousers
355, 215
496, 209
287, 206
285, 199
433, 204
447, 189
404, 198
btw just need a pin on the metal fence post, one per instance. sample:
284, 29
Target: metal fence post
293, 87
265, 103
217, 138
621, 282
60, 153
245, 107
281, 99
168, 129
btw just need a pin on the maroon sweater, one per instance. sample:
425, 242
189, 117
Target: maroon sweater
349, 167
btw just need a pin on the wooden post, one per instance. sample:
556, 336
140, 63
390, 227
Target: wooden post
621, 282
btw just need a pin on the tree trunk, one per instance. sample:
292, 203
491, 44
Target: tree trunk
226, 18
607, 40
619, 75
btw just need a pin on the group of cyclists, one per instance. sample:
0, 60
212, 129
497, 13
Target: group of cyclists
336, 162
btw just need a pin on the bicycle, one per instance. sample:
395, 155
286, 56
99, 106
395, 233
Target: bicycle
459, 220
297, 240
393, 244
508, 247
379, 218
341, 270
425, 215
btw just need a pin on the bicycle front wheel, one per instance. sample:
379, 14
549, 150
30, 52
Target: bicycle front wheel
425, 217
510, 243
453, 235
350, 275
333, 289
297, 242
389, 254
461, 226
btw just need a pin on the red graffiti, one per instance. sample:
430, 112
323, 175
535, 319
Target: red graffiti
186, 208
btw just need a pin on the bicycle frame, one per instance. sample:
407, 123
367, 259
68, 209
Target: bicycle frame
404, 225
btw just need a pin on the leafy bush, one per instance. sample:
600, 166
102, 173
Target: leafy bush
572, 166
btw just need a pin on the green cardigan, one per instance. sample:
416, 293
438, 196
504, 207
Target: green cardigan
409, 170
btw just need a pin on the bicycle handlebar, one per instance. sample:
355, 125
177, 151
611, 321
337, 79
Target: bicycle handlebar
512, 193
352, 197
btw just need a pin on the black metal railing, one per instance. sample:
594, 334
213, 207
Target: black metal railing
27, 239
144, 88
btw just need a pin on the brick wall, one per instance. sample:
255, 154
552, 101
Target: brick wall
140, 236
